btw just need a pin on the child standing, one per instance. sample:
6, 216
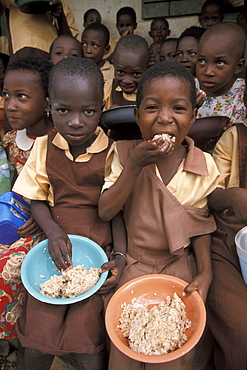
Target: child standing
187, 48
65, 46
90, 16
227, 299
211, 13
25, 91
159, 29
217, 71
95, 43
162, 186
63, 179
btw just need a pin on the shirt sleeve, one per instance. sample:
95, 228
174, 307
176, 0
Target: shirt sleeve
33, 182
113, 167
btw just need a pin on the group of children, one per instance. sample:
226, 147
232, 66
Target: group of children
148, 202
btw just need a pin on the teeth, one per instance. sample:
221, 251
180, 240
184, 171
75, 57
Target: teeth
167, 137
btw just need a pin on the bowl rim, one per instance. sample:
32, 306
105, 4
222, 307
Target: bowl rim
55, 301
186, 347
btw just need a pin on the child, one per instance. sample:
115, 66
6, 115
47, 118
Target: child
130, 61
227, 299
126, 25
187, 48
25, 91
159, 29
168, 49
217, 70
63, 179
154, 53
65, 46
90, 16
162, 187
95, 43
211, 13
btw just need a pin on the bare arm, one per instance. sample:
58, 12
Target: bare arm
234, 198
201, 282
145, 153
58, 241
58, 13
116, 266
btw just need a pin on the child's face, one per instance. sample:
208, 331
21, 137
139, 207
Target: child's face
166, 108
210, 16
76, 107
65, 47
159, 30
168, 51
92, 17
187, 53
94, 47
129, 67
126, 25
25, 101
217, 64
154, 53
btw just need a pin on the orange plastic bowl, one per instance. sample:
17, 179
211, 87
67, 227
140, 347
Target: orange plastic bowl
144, 288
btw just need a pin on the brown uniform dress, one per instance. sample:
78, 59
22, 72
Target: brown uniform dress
79, 327
227, 297
158, 227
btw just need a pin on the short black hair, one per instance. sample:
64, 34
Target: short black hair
89, 11
77, 67
218, 3
70, 36
134, 43
170, 39
163, 69
127, 10
35, 65
5, 58
193, 31
161, 18
99, 27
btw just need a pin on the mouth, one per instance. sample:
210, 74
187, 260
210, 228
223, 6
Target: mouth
128, 89
166, 137
208, 84
75, 137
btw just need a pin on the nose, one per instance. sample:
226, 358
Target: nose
10, 104
165, 117
128, 79
87, 49
75, 121
208, 70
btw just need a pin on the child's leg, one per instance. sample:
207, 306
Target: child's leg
36, 360
95, 361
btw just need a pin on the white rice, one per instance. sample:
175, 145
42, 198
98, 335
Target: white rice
155, 331
71, 283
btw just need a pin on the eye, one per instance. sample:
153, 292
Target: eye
220, 63
137, 74
62, 110
83, 43
179, 54
22, 96
58, 53
89, 112
74, 55
95, 46
5, 94
172, 56
162, 59
201, 62
119, 72
179, 108
151, 107
192, 53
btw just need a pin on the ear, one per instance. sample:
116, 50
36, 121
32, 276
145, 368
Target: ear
169, 33
200, 20
48, 104
150, 34
136, 113
107, 49
135, 26
240, 66
193, 117
102, 105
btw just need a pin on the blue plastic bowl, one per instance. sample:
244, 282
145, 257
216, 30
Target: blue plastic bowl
38, 263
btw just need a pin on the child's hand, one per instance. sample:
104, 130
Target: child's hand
115, 267
56, 8
149, 152
201, 283
30, 228
129, 31
200, 97
60, 249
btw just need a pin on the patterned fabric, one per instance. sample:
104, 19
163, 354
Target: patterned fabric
230, 104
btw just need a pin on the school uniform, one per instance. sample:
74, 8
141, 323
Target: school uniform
160, 221
227, 297
108, 70
72, 188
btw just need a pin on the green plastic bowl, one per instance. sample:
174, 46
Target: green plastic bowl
34, 6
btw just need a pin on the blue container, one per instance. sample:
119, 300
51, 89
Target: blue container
12, 216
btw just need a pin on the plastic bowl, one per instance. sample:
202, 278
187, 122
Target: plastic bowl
144, 288
33, 6
121, 117
38, 263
